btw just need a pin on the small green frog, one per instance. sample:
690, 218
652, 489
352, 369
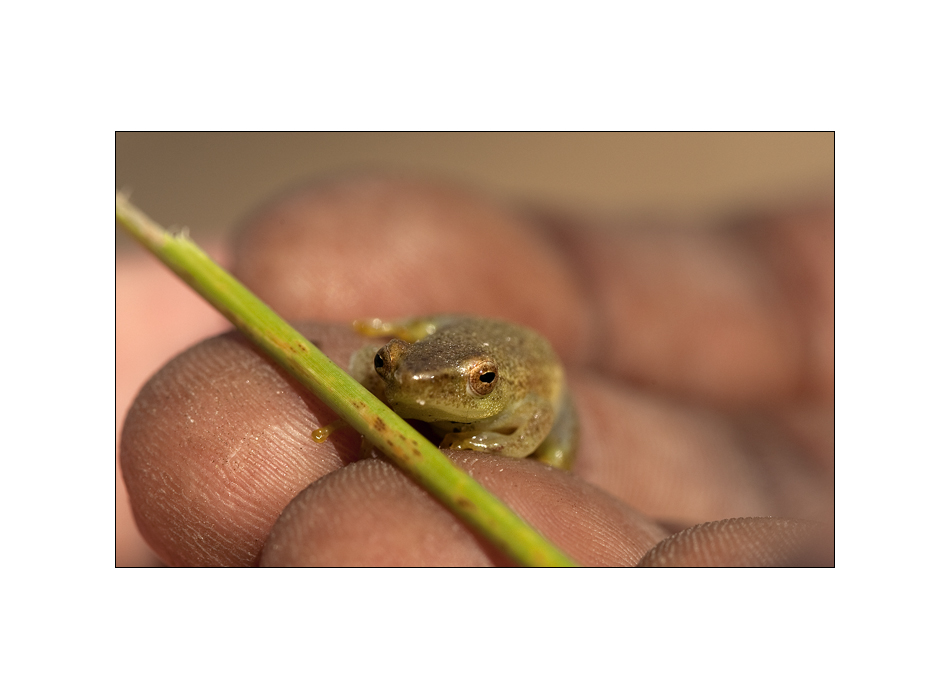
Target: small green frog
481, 384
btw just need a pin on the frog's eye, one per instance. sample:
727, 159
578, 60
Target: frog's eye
389, 356
382, 362
482, 378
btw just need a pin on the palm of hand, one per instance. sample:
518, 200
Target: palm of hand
701, 363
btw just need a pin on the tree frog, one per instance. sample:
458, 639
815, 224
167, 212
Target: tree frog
480, 384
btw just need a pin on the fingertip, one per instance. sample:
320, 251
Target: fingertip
215, 446
746, 542
392, 247
588, 524
369, 514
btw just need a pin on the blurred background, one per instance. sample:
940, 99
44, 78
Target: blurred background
208, 181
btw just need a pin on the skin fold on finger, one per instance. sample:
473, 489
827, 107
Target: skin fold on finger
746, 542
390, 248
218, 443
370, 514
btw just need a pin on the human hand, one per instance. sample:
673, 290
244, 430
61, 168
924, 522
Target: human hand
701, 362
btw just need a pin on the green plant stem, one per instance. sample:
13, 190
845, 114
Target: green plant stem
411, 452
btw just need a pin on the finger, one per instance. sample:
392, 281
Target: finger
156, 316
389, 248
218, 443
370, 514
798, 250
746, 542
738, 315
686, 464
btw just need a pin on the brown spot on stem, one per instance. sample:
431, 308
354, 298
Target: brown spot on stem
464, 504
379, 424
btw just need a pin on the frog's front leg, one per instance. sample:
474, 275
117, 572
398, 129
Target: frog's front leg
515, 433
408, 329
560, 446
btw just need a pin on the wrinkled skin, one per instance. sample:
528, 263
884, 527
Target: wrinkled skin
701, 362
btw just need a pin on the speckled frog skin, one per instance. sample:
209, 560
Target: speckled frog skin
481, 384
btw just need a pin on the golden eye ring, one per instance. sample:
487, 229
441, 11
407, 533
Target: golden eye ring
482, 378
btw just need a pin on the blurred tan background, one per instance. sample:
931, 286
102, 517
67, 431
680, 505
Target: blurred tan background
208, 181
